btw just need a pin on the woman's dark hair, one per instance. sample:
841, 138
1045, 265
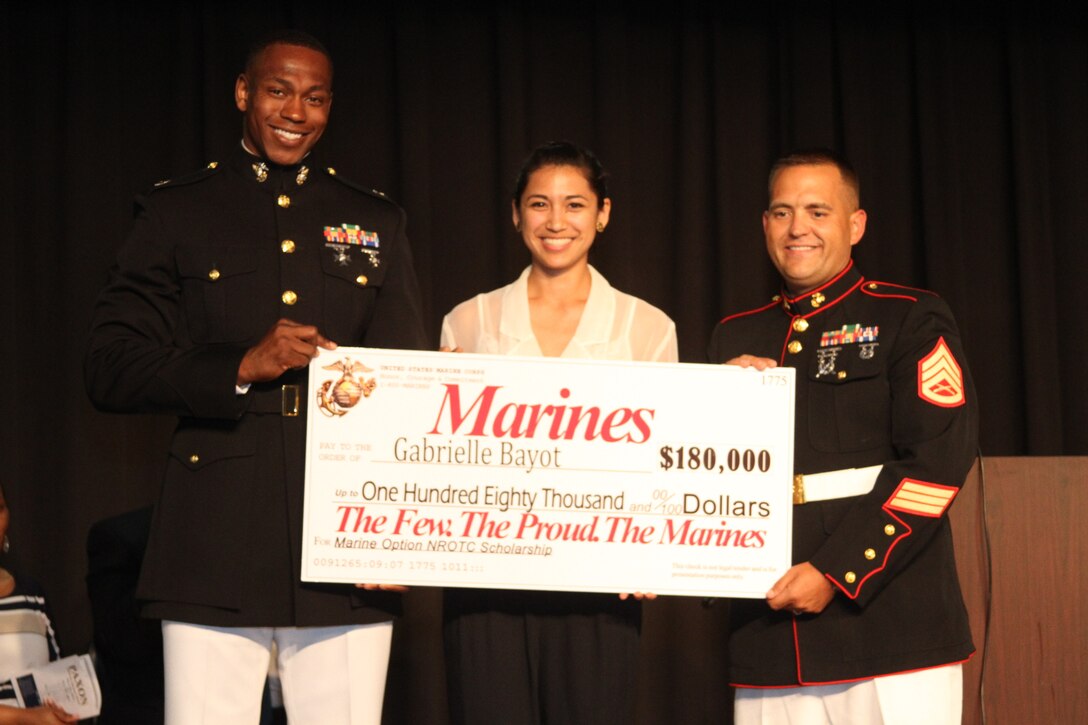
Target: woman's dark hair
563, 153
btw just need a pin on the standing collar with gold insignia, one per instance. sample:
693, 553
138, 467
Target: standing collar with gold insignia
269, 175
824, 296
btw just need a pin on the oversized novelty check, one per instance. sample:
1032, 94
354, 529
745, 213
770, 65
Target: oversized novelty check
443, 469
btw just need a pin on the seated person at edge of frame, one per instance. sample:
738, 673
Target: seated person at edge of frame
551, 657
27, 639
869, 625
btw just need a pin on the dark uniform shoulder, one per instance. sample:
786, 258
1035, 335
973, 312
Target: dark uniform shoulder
913, 300
745, 332
890, 290
774, 302
333, 174
191, 178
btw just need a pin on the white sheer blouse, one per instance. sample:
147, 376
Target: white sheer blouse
614, 325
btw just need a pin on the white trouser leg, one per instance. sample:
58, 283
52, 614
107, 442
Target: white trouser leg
334, 674
932, 696
214, 675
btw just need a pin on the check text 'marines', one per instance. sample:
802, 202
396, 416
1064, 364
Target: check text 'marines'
486, 416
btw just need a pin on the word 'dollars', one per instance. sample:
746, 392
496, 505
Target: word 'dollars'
486, 416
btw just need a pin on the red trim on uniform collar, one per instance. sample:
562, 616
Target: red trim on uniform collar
821, 288
824, 296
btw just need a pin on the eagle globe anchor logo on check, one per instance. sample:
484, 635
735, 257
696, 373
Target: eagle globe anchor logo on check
336, 397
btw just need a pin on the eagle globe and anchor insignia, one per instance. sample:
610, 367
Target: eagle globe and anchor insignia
336, 397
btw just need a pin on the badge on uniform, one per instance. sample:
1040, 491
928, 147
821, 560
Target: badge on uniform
864, 336
371, 247
940, 379
850, 334
825, 360
342, 238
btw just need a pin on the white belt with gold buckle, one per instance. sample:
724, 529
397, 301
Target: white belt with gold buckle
834, 484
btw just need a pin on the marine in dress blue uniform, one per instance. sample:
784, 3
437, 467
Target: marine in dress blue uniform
882, 386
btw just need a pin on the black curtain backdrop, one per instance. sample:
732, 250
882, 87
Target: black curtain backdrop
968, 125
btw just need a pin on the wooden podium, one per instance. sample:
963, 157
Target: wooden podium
1033, 667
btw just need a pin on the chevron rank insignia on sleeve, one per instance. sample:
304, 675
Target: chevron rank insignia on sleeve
921, 498
940, 379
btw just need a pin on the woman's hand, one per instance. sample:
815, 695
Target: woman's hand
382, 587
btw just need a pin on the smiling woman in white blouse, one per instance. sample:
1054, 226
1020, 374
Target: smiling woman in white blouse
551, 657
